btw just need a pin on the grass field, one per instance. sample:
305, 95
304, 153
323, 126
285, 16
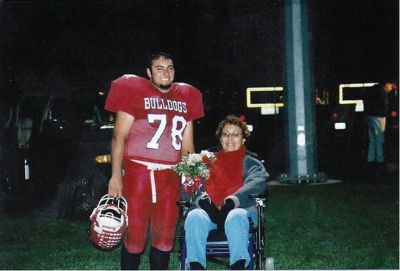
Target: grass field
338, 226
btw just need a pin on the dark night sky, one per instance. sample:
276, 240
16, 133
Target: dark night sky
219, 46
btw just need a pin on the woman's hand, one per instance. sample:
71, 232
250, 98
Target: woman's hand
207, 205
225, 209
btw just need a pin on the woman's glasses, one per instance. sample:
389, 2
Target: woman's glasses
233, 135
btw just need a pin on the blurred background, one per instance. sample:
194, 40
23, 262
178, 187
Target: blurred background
59, 57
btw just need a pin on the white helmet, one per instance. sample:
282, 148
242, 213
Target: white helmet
108, 222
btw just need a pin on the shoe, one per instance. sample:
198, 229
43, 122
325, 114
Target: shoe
381, 168
369, 167
196, 266
239, 265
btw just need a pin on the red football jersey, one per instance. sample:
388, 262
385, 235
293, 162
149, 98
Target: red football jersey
160, 118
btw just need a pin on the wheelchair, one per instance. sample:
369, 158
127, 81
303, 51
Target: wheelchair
217, 244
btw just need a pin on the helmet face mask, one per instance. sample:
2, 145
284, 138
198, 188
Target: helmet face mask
108, 222
106, 200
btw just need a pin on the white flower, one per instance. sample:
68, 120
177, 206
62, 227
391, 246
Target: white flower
208, 154
192, 165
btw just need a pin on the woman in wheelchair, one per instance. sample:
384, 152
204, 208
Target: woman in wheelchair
225, 203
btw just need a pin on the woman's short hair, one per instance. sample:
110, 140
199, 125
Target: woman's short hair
233, 120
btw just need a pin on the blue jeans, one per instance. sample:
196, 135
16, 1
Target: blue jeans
376, 129
198, 224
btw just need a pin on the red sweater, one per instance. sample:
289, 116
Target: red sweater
226, 175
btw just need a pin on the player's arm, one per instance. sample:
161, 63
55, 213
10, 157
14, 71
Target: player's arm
187, 139
122, 127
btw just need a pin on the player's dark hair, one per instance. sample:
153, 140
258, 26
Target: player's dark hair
156, 56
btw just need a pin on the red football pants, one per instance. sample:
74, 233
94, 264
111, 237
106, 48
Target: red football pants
161, 216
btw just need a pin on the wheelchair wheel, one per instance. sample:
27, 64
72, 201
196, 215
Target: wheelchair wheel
258, 261
259, 248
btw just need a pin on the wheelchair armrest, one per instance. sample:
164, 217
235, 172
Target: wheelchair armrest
263, 195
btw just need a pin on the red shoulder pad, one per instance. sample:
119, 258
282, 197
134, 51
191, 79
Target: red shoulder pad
125, 93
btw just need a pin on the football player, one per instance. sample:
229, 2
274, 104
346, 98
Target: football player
153, 129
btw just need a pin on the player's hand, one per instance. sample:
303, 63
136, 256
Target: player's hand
115, 187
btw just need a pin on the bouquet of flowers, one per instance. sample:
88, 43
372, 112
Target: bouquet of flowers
193, 168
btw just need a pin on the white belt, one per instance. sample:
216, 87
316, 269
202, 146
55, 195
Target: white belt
153, 167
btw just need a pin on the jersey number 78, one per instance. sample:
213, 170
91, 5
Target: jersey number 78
176, 134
